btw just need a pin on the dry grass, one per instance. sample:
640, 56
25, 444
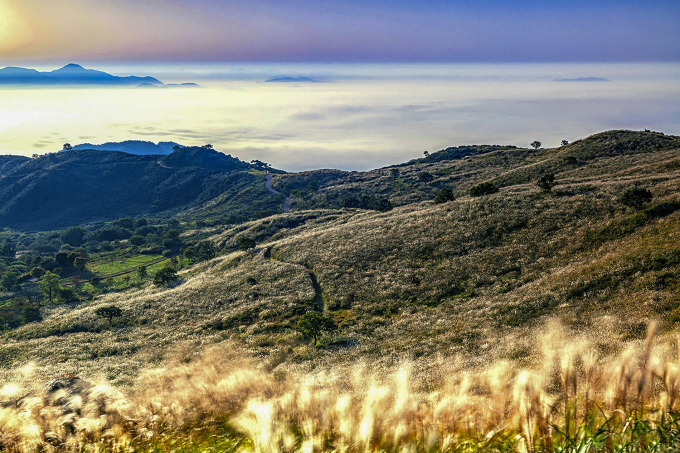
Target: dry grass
575, 400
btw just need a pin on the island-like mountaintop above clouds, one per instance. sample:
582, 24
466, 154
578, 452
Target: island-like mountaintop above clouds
71, 74
140, 147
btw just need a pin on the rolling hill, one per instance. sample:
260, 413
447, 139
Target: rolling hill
83, 186
491, 299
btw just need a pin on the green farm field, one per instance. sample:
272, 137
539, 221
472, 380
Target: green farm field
115, 264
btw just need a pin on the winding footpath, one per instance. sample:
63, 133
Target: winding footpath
286, 203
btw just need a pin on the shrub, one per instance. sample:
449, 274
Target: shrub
546, 183
424, 176
164, 276
206, 250
485, 188
443, 196
68, 295
383, 205
31, 313
245, 243
636, 198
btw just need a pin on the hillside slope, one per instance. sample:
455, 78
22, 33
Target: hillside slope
77, 187
475, 278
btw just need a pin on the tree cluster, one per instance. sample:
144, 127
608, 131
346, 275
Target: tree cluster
367, 202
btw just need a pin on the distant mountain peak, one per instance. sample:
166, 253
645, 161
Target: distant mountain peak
287, 79
71, 74
138, 147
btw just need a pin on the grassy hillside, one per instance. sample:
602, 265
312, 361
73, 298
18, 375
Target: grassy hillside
480, 281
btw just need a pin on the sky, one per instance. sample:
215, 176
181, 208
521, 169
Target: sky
339, 31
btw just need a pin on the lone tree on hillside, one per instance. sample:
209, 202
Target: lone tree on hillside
165, 276
313, 323
67, 147
536, 144
109, 312
49, 285
636, 198
564, 142
546, 183
141, 272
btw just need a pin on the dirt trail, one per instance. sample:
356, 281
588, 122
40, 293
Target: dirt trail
286, 203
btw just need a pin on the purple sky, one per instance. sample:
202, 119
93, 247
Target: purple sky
339, 30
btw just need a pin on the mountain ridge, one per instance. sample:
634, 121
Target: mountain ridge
71, 74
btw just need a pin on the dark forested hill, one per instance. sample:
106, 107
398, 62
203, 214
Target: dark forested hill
63, 189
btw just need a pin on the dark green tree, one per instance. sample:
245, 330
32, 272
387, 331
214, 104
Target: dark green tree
109, 312
172, 233
74, 236
67, 294
137, 240
67, 147
165, 276
546, 183
190, 253
206, 250
245, 243
49, 285
312, 324
424, 176
141, 272
636, 198
7, 249
37, 272
9, 280
394, 173
564, 143
383, 205
80, 263
536, 144
125, 222
31, 313
62, 259
443, 196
